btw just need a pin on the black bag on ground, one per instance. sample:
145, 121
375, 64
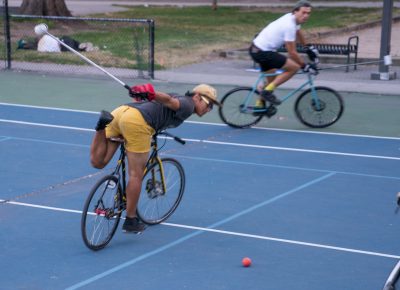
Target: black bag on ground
70, 42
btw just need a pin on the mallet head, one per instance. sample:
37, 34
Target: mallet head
41, 29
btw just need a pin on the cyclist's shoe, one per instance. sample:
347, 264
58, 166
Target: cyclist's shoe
133, 225
271, 110
259, 107
270, 97
104, 119
260, 104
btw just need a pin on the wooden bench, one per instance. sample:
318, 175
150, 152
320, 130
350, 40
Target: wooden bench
349, 49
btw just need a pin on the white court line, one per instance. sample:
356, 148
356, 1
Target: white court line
294, 242
224, 143
217, 124
47, 108
45, 125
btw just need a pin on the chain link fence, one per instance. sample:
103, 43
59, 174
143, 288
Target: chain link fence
124, 47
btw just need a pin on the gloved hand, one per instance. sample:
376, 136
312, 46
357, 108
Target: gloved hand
313, 53
310, 67
143, 91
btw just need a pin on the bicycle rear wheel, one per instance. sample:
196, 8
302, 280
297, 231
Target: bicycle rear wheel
101, 213
156, 204
235, 113
319, 112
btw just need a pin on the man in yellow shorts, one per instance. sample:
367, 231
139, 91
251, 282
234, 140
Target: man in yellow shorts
136, 122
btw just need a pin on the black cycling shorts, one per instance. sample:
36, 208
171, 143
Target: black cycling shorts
267, 59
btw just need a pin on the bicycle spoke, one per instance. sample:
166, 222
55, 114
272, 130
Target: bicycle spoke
155, 205
238, 108
321, 112
99, 224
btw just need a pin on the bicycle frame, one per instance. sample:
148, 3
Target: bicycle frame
309, 82
120, 169
154, 158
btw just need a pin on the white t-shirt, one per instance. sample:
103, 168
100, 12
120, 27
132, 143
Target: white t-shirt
275, 34
48, 44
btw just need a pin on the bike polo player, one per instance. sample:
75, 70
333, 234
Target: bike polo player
136, 122
263, 50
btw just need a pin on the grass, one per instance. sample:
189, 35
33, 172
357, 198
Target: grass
191, 34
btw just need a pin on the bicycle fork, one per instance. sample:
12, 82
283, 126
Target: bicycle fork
153, 185
316, 103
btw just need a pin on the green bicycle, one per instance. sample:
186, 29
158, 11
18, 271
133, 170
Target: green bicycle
315, 107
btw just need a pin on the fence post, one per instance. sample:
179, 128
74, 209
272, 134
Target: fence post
387, 20
151, 53
7, 34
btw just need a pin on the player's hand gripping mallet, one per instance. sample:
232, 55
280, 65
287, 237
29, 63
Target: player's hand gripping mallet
42, 29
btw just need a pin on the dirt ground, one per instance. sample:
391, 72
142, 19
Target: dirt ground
370, 40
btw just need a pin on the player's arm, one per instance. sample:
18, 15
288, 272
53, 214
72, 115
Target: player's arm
147, 91
167, 100
292, 53
300, 38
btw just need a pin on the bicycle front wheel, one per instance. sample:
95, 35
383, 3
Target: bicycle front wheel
101, 213
238, 108
320, 110
162, 190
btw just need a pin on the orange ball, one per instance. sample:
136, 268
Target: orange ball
246, 262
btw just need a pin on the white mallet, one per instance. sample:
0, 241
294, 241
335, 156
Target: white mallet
41, 29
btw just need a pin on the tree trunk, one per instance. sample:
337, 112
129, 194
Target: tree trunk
214, 5
44, 8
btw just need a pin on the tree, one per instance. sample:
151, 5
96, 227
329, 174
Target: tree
214, 4
44, 8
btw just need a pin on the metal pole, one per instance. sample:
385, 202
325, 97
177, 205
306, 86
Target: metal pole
7, 33
386, 32
151, 52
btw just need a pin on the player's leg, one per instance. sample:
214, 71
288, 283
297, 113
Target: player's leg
102, 149
270, 61
290, 68
137, 134
136, 166
260, 103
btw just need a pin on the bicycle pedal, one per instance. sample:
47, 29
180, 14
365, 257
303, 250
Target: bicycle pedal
260, 111
271, 111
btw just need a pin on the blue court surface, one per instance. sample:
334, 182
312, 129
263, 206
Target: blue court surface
312, 210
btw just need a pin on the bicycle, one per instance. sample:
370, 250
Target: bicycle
162, 190
316, 107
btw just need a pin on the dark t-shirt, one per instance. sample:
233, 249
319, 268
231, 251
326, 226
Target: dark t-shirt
160, 117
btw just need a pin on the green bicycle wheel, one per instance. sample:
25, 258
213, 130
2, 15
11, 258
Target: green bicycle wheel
235, 113
320, 110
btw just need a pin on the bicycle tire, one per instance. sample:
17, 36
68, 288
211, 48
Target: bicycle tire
321, 115
231, 112
154, 205
101, 213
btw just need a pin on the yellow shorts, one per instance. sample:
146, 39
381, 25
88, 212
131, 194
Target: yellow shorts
129, 123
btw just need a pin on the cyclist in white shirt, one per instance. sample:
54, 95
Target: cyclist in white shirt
263, 50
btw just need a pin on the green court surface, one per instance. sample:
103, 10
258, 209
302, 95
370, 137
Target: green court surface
365, 114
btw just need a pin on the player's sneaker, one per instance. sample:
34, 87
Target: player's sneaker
270, 97
259, 107
133, 225
271, 110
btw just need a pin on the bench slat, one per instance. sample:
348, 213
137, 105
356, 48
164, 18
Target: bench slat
334, 49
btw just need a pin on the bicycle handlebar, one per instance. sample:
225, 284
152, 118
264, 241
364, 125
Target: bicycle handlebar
176, 138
